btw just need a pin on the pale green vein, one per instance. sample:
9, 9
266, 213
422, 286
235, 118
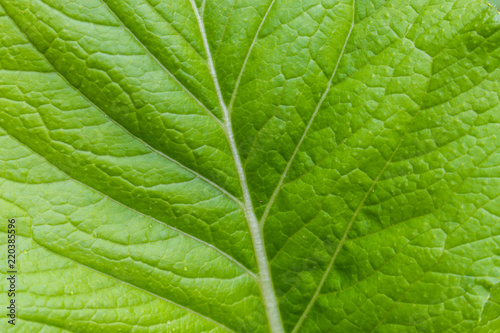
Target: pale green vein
230, 258
225, 28
482, 310
264, 277
161, 65
16, 205
22, 209
197, 174
316, 165
138, 288
280, 183
202, 10
409, 242
430, 269
351, 221
44, 323
73, 18
236, 86
309, 124
174, 28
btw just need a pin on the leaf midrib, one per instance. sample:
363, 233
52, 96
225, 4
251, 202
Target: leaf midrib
154, 150
264, 277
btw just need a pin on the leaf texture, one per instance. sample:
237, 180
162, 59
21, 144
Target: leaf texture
251, 166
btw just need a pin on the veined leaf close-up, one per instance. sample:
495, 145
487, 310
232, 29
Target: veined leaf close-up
243, 166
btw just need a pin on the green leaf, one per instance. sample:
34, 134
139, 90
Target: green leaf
495, 3
251, 166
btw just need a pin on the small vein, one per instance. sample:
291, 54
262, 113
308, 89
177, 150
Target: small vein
254, 144
73, 18
174, 28
45, 324
140, 213
225, 28
162, 66
236, 86
316, 110
278, 187
406, 245
202, 9
16, 205
198, 175
449, 198
405, 292
137, 287
482, 310
351, 221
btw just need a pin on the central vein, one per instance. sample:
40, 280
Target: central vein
264, 277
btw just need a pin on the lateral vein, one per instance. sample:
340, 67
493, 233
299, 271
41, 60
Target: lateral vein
238, 80
138, 288
265, 280
161, 64
174, 28
316, 110
140, 213
229, 195
351, 221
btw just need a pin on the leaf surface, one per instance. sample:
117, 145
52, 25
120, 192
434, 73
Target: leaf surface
251, 166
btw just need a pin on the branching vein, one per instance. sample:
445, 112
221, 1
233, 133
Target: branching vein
265, 281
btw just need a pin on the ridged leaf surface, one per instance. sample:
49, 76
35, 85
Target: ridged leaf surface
251, 165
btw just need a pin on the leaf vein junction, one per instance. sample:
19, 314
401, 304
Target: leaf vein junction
124, 129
